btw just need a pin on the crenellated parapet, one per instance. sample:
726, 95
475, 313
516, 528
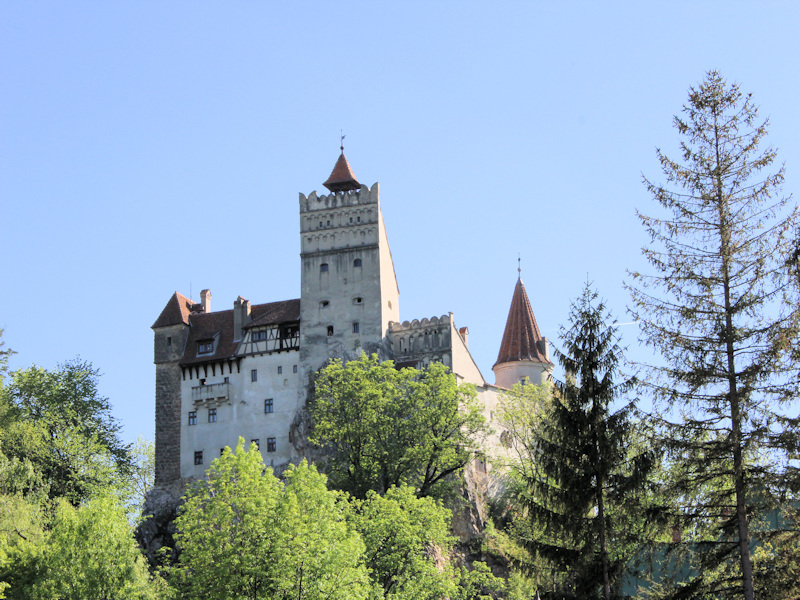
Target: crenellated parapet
424, 341
340, 220
361, 196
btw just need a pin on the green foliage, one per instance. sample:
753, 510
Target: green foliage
577, 484
408, 547
387, 427
403, 536
88, 553
57, 422
724, 312
244, 535
4, 356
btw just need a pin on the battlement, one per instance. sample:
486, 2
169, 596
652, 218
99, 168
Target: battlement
364, 195
416, 324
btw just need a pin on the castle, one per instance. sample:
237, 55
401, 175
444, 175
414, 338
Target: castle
247, 371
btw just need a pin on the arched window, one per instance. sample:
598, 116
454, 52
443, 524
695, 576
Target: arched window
323, 267
357, 262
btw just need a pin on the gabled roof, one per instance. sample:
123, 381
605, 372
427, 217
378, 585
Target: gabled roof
521, 337
219, 327
342, 178
273, 313
176, 312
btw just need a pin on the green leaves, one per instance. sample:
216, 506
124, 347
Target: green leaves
386, 427
245, 535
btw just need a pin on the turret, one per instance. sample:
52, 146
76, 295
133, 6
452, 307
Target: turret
524, 352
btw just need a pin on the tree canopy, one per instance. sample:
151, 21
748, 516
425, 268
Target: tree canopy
723, 312
244, 535
386, 427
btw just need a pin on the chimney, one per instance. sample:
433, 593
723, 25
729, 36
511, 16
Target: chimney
464, 333
241, 317
205, 300
544, 347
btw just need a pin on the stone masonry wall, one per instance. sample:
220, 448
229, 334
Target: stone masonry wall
168, 423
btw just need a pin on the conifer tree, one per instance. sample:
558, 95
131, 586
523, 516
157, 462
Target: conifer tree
723, 312
583, 478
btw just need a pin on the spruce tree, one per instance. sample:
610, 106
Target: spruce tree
585, 479
723, 312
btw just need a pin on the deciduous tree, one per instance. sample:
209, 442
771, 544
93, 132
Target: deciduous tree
244, 535
386, 427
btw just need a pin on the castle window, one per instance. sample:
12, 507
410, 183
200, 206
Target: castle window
221, 451
320, 224
359, 219
169, 341
254, 375
357, 262
192, 417
324, 304
358, 300
351, 219
330, 330
323, 267
271, 444
226, 380
198, 457
212, 415
294, 368
268, 405
205, 347
280, 370
257, 443
327, 223
355, 327
259, 335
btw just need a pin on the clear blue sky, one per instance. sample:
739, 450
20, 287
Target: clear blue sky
149, 147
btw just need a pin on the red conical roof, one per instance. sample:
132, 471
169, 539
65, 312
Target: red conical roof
342, 178
521, 337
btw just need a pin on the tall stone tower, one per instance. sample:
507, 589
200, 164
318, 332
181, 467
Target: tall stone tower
348, 292
171, 330
523, 351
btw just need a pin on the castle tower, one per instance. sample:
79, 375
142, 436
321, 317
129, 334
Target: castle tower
171, 330
523, 351
348, 289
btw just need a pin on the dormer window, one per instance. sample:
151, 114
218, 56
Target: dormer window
259, 335
323, 267
205, 347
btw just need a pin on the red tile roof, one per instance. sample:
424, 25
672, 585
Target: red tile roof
176, 311
219, 326
521, 337
342, 178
